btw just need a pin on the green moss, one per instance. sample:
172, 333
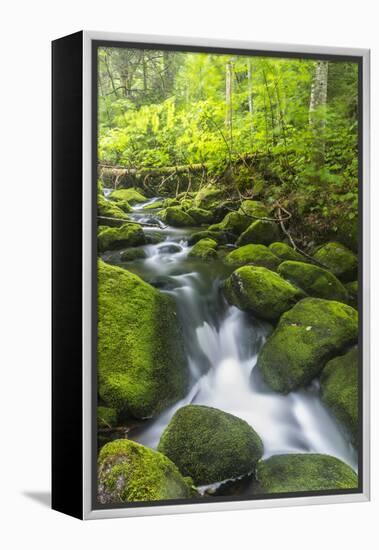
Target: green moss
233, 222
254, 209
208, 198
140, 360
154, 205
204, 249
254, 254
339, 390
108, 209
129, 472
286, 252
132, 254
210, 445
314, 280
123, 204
307, 336
340, 260
219, 236
132, 195
112, 238
259, 232
352, 292
294, 473
175, 216
106, 417
200, 215
186, 204
261, 292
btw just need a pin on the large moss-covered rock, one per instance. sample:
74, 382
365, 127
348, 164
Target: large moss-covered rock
254, 209
259, 232
314, 280
339, 390
352, 292
233, 222
208, 197
204, 249
123, 204
286, 252
307, 336
175, 216
131, 254
112, 238
210, 445
294, 473
253, 254
340, 260
131, 195
140, 356
261, 292
106, 417
107, 210
200, 215
221, 237
129, 472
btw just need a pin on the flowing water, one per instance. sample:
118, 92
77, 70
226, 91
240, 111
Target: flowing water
222, 344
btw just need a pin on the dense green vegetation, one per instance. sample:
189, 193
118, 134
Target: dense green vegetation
286, 128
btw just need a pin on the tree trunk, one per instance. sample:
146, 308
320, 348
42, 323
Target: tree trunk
249, 88
317, 114
229, 102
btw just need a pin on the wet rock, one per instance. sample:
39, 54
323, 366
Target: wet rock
234, 222
201, 216
221, 237
286, 252
107, 210
175, 216
205, 249
307, 336
169, 249
340, 260
112, 238
132, 254
208, 197
131, 195
294, 473
106, 417
210, 445
252, 254
259, 232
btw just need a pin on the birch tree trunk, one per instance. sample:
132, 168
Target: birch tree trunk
249, 88
317, 114
229, 102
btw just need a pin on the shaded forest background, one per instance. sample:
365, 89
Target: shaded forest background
285, 130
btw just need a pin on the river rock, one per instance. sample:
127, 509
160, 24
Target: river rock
210, 445
314, 280
175, 216
286, 252
107, 209
112, 238
352, 292
106, 417
123, 204
340, 260
221, 237
292, 473
259, 232
234, 222
339, 390
129, 472
169, 248
307, 336
204, 249
140, 359
253, 254
208, 197
254, 209
261, 292
201, 216
131, 195
132, 254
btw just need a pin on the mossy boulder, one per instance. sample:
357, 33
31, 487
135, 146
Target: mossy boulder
131, 195
175, 216
210, 445
200, 215
123, 204
307, 336
286, 252
130, 472
106, 417
112, 238
233, 222
132, 254
352, 292
208, 197
261, 292
340, 260
140, 355
107, 209
221, 237
253, 254
259, 232
254, 209
314, 280
339, 390
204, 249
292, 473
154, 205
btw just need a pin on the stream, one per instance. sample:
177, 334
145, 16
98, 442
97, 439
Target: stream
222, 344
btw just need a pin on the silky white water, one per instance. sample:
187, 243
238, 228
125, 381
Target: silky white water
222, 344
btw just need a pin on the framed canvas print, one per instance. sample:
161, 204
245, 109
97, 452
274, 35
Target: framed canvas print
210, 275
